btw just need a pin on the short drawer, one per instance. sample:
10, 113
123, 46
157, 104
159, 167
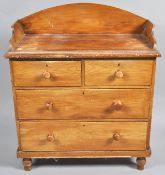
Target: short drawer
82, 136
46, 73
118, 72
82, 104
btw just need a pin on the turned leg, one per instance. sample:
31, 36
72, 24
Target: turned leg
140, 163
27, 163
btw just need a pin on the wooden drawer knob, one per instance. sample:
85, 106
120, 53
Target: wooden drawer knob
46, 75
50, 138
117, 105
116, 136
49, 105
119, 74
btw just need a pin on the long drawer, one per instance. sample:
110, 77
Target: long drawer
46, 73
82, 136
82, 104
118, 72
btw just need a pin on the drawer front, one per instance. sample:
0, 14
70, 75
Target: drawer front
118, 72
46, 73
82, 104
82, 136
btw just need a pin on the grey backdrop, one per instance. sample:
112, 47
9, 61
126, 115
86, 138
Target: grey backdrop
10, 11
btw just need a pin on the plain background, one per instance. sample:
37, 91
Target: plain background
10, 11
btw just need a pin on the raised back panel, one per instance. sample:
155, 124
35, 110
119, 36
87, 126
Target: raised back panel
83, 18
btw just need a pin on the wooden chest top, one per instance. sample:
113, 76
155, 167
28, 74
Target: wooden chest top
82, 30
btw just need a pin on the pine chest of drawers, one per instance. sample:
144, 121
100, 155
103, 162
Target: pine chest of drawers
83, 82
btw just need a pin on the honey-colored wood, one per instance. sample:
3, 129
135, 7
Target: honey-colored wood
118, 74
116, 136
50, 138
117, 105
95, 120
82, 104
46, 44
76, 54
83, 18
15, 107
81, 87
31, 73
83, 154
17, 35
135, 72
83, 83
83, 31
84, 42
148, 32
151, 103
82, 136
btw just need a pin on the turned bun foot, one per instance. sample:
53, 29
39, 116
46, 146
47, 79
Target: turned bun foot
141, 161
27, 163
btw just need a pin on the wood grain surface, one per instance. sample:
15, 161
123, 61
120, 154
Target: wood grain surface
82, 30
82, 104
83, 18
135, 72
82, 136
31, 73
48, 43
83, 154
